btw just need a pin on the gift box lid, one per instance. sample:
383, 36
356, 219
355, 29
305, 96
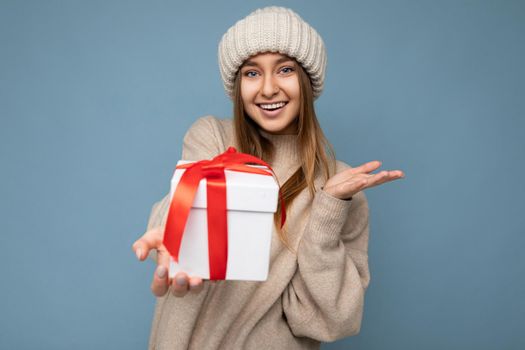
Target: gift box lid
244, 191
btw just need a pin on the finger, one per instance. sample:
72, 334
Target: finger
149, 240
163, 256
394, 175
180, 285
365, 168
399, 173
160, 284
196, 284
383, 177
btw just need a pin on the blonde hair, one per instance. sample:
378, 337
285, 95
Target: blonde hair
316, 152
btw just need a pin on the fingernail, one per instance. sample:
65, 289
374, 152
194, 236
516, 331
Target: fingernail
161, 271
139, 253
181, 281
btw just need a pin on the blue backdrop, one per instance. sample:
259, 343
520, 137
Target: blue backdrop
95, 97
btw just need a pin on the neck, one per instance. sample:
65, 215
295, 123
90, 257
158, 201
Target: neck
287, 157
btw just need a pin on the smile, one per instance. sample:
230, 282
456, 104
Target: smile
272, 106
272, 110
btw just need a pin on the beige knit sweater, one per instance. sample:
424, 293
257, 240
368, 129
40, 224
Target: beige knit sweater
315, 294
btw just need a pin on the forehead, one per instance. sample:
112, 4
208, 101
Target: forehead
272, 58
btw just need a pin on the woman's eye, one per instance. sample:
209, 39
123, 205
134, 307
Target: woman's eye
249, 74
287, 70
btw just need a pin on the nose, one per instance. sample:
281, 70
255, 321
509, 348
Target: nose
270, 87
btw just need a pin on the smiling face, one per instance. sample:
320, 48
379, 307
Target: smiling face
270, 92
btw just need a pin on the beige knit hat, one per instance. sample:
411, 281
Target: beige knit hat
272, 29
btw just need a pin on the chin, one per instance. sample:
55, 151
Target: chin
272, 128
272, 131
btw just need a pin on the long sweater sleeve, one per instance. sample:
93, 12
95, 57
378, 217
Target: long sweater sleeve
324, 300
175, 318
314, 295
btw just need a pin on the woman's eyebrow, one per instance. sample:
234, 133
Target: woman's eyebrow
254, 64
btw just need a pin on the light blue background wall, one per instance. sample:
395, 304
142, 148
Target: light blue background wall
95, 97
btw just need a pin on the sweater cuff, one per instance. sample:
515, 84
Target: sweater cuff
327, 217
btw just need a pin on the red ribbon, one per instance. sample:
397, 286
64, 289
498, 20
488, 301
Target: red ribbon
182, 201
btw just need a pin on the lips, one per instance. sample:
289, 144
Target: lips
271, 114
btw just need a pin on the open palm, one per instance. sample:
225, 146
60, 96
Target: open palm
347, 183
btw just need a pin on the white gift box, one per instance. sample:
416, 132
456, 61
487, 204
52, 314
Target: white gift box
251, 203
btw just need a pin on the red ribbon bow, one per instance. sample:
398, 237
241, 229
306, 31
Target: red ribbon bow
182, 201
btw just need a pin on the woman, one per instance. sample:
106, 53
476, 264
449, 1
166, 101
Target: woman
272, 65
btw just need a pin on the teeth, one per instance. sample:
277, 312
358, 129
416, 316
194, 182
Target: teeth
273, 105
